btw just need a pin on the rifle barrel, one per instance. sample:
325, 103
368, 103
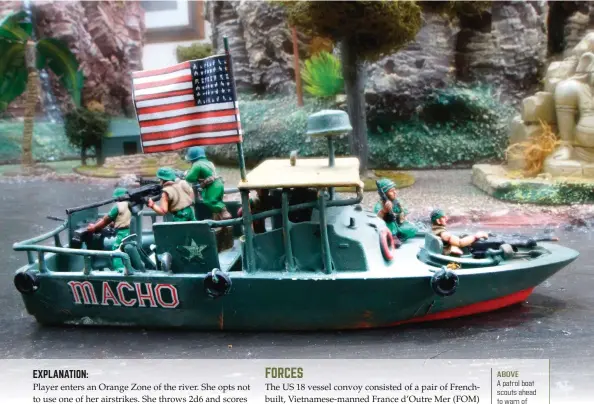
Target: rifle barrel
92, 205
57, 219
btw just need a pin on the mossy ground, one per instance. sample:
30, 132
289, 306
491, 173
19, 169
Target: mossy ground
49, 142
552, 194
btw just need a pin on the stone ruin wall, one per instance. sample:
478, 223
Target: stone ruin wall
107, 38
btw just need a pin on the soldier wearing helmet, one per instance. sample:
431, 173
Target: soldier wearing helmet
204, 173
177, 197
120, 216
451, 244
400, 228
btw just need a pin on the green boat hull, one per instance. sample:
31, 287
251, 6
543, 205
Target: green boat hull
382, 296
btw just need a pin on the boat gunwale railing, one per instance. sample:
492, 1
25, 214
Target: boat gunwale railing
31, 245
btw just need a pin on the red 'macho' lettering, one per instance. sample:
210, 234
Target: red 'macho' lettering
120, 289
108, 295
150, 296
174, 298
85, 289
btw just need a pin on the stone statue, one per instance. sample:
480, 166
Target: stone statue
550, 159
574, 107
567, 106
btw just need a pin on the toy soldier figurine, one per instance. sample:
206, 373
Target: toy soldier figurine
120, 215
261, 203
392, 212
204, 173
451, 244
177, 197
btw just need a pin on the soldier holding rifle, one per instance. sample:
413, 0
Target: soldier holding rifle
177, 197
391, 211
120, 216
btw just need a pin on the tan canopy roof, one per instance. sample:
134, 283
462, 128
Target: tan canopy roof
307, 172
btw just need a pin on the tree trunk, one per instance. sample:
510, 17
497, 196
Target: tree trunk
296, 65
99, 154
354, 87
30, 106
83, 155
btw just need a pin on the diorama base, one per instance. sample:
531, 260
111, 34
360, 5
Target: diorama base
503, 183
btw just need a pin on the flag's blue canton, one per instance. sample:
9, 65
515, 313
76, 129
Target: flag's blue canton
212, 80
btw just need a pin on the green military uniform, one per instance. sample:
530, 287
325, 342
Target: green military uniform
204, 173
437, 229
179, 194
404, 230
120, 215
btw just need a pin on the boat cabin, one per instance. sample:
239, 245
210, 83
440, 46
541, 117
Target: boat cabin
307, 243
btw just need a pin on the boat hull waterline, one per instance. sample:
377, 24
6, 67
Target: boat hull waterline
275, 301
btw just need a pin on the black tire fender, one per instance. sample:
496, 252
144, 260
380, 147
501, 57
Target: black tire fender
444, 282
26, 282
217, 283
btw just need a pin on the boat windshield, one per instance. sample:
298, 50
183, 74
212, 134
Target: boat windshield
308, 172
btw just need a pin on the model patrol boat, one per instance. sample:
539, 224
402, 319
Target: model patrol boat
300, 257
322, 262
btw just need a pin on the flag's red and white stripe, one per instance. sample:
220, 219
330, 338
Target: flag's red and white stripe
169, 118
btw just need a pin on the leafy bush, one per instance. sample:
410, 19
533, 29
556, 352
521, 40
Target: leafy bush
85, 128
460, 103
458, 125
323, 76
273, 126
193, 52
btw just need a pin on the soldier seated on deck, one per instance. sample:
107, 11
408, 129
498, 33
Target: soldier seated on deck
177, 197
119, 217
451, 244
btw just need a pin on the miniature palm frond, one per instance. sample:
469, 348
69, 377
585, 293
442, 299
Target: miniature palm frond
13, 74
16, 26
323, 75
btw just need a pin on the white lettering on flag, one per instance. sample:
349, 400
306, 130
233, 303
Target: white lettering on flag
180, 106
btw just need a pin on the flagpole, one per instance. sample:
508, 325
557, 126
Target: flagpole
248, 231
240, 156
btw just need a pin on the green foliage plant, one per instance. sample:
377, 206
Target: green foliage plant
192, 52
85, 129
323, 75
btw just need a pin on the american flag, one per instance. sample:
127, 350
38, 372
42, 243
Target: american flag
189, 104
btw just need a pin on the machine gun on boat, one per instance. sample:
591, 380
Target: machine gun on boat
507, 246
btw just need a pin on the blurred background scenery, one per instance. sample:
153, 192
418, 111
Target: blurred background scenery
439, 82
